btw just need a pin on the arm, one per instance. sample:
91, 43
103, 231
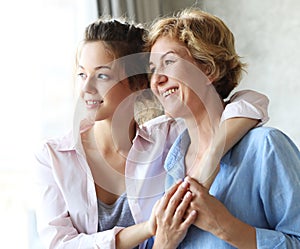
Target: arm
131, 236
272, 210
246, 110
248, 104
279, 191
58, 228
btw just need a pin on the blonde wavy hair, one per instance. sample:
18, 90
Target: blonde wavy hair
209, 41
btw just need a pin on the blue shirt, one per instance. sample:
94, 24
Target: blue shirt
258, 182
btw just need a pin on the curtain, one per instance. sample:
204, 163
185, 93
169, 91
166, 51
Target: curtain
142, 11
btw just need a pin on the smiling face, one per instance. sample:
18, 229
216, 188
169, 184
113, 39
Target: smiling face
102, 79
177, 79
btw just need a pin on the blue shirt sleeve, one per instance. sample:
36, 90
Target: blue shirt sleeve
279, 192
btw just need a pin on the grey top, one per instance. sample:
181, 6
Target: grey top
117, 214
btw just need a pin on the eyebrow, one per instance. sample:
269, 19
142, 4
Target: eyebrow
98, 67
163, 56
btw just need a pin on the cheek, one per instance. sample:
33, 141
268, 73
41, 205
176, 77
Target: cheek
153, 87
152, 83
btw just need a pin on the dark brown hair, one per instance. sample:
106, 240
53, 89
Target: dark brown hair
126, 42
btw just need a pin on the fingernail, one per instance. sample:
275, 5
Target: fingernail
184, 184
188, 194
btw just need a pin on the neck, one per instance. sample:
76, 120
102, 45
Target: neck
116, 133
113, 137
204, 119
202, 124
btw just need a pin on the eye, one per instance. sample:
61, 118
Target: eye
82, 76
169, 62
102, 76
152, 70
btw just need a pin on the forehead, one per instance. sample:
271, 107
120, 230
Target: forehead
164, 45
95, 52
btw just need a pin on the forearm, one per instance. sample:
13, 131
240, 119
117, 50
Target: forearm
237, 233
225, 137
229, 133
131, 236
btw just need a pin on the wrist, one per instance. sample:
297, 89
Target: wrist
149, 229
238, 234
162, 242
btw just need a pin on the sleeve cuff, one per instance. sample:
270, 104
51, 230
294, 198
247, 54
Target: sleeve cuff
244, 109
107, 239
269, 238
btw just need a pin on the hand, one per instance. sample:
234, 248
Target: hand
170, 213
212, 215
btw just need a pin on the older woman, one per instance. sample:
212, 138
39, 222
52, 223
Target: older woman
254, 200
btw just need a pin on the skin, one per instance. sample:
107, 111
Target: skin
106, 92
104, 88
202, 121
174, 204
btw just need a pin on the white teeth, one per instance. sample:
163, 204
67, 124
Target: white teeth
168, 92
92, 102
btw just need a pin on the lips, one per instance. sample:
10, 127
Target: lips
169, 91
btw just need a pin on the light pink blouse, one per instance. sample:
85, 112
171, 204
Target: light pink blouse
67, 213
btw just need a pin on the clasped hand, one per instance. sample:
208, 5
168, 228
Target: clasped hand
185, 203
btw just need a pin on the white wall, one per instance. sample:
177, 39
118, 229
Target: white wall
268, 37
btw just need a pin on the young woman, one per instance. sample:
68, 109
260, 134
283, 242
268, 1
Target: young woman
84, 201
253, 201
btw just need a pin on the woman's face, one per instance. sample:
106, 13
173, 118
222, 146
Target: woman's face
177, 79
102, 80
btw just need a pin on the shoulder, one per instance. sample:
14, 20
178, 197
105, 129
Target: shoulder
264, 144
55, 144
263, 136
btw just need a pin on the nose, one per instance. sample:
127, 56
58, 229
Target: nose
89, 86
158, 79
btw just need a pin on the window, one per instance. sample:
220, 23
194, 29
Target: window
37, 47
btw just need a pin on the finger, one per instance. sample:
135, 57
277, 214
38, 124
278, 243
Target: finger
156, 206
167, 196
176, 198
188, 211
183, 206
189, 220
195, 186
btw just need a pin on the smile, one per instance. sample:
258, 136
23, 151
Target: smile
169, 91
93, 102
